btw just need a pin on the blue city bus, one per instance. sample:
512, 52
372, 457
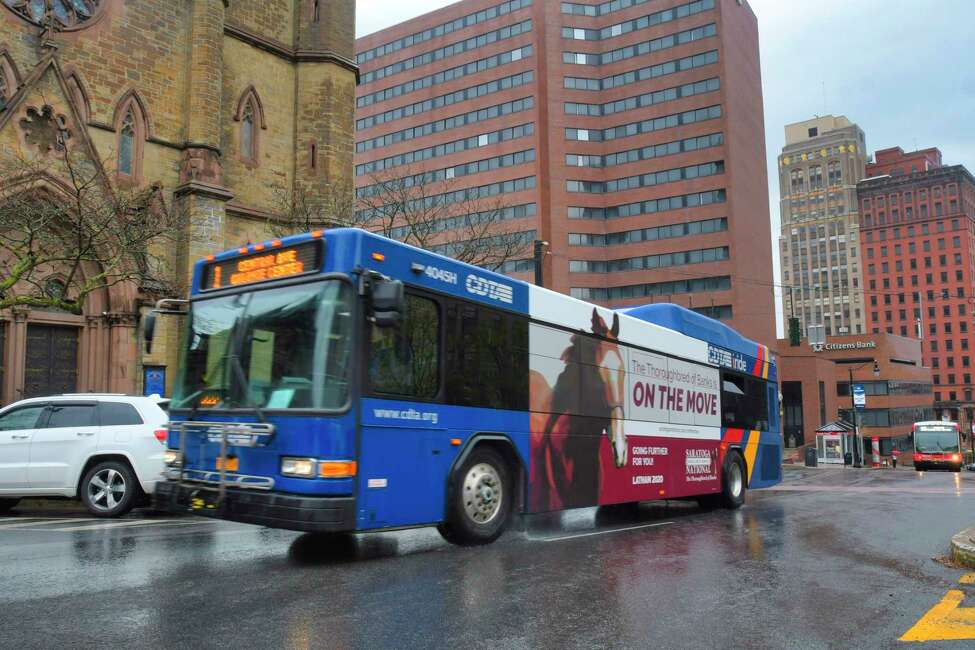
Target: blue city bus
341, 381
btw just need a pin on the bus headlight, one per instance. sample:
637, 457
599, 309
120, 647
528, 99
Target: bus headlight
171, 457
299, 467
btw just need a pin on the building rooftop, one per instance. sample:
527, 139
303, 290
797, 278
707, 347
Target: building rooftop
931, 174
799, 132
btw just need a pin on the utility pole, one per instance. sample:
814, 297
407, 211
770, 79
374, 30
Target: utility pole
539, 258
857, 443
856, 435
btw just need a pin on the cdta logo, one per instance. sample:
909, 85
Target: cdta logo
489, 289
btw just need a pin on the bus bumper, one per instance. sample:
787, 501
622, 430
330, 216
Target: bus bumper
272, 509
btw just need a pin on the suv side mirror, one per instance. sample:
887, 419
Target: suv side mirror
388, 302
149, 329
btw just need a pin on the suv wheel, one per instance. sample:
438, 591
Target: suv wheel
109, 489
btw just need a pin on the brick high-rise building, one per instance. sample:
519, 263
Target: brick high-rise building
225, 108
819, 168
918, 235
894, 162
629, 135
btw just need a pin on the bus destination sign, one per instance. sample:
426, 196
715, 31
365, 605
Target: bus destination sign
275, 264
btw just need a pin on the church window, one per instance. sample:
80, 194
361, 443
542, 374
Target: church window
250, 115
126, 144
132, 130
247, 132
66, 14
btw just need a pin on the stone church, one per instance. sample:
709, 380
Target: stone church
224, 105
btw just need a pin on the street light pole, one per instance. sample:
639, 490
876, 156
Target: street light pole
853, 414
539, 258
857, 443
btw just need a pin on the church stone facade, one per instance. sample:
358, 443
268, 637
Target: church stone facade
228, 106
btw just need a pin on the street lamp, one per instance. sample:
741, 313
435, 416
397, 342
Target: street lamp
539, 258
857, 443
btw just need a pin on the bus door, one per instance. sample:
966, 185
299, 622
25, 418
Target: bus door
400, 473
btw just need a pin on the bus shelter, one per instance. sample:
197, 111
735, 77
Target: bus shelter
833, 441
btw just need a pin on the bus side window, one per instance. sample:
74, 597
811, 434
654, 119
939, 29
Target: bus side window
405, 360
744, 403
486, 357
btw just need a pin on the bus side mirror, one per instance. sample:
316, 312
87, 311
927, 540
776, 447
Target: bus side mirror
388, 302
149, 329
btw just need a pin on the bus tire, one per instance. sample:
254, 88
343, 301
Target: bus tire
733, 480
478, 499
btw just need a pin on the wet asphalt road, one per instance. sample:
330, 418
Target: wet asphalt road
830, 559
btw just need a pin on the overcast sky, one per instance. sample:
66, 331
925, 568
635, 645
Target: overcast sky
904, 70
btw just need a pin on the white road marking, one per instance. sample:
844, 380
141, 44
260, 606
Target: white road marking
38, 521
124, 524
605, 532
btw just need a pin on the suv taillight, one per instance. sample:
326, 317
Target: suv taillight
161, 435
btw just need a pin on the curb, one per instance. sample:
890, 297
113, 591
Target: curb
28, 504
963, 548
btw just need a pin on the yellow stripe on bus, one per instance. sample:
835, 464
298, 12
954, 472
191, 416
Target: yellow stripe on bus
751, 451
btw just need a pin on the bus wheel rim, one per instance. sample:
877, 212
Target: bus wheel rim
735, 480
483, 493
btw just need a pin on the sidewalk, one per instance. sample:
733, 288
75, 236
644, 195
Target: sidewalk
963, 548
47, 505
899, 468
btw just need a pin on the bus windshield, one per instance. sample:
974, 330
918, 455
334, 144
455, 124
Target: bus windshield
936, 440
290, 345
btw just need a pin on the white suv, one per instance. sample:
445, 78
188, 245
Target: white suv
106, 450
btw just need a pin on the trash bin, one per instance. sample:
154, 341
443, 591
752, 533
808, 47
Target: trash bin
848, 458
811, 460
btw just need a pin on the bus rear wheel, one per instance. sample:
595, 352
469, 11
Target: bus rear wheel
478, 499
733, 480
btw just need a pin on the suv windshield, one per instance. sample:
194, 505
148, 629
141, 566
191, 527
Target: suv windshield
935, 441
292, 345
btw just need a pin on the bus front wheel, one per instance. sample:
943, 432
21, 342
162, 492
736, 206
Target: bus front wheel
478, 499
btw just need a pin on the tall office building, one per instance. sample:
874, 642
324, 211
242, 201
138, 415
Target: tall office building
627, 134
819, 167
918, 236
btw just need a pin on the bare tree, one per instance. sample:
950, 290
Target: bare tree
434, 213
302, 210
65, 233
